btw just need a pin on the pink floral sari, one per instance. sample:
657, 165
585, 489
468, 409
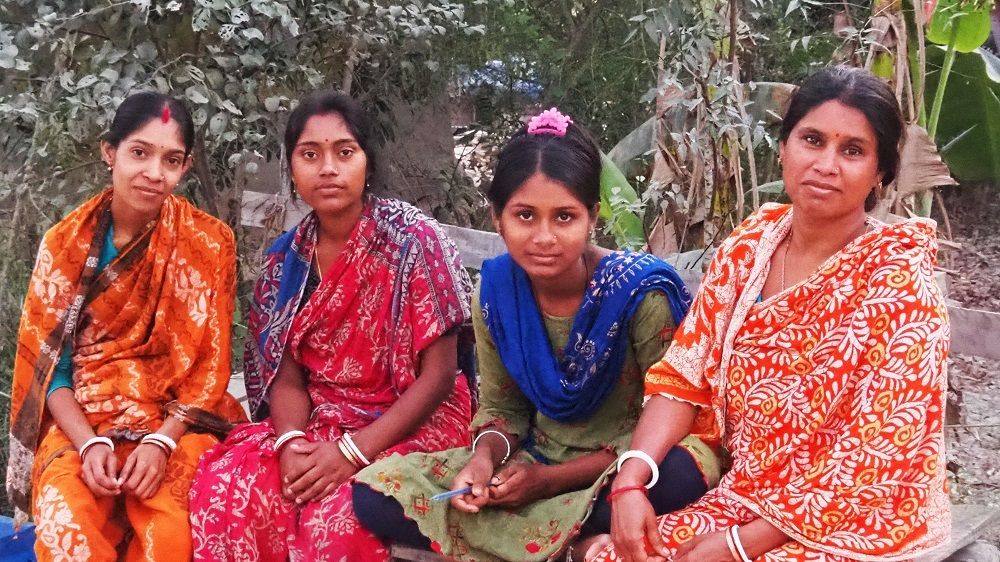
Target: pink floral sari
397, 286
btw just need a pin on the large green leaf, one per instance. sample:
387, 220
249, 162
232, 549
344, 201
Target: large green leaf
968, 19
619, 206
969, 130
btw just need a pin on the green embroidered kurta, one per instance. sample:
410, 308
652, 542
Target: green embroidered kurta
542, 529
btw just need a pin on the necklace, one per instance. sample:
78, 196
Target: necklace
319, 268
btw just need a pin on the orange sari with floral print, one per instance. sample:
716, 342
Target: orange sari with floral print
829, 395
150, 337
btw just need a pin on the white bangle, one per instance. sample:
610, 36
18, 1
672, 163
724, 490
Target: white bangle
286, 437
94, 441
354, 449
641, 455
505, 440
735, 535
160, 438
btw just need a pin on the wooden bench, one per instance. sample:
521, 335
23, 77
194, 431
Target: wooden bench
973, 332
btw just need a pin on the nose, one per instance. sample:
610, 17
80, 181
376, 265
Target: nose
544, 234
155, 170
329, 166
826, 161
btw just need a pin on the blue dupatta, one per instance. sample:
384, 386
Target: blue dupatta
573, 387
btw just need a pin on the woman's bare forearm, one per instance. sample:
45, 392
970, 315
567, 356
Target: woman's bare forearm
436, 380
663, 423
69, 416
290, 403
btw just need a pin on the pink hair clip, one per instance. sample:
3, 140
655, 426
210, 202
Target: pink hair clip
549, 122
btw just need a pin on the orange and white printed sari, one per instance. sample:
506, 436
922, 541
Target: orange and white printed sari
150, 337
829, 396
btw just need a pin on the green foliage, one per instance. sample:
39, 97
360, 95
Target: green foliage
963, 23
968, 134
239, 66
585, 55
621, 207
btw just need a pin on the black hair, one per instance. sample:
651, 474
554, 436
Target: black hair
572, 160
141, 108
324, 102
861, 90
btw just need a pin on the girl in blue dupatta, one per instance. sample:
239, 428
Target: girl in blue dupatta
564, 333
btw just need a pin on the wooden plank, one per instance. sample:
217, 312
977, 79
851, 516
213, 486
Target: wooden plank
237, 387
968, 522
474, 246
975, 332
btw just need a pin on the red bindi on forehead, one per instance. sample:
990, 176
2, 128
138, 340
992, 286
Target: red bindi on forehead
165, 116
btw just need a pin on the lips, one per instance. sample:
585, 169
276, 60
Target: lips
544, 259
819, 185
329, 187
148, 191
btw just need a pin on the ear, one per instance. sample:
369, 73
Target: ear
188, 162
781, 150
496, 221
595, 213
107, 153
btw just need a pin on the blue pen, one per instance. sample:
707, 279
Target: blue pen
495, 481
450, 494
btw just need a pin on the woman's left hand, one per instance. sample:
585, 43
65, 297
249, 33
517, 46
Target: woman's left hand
705, 548
519, 483
144, 470
327, 469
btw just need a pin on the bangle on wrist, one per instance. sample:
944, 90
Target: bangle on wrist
618, 491
502, 436
733, 535
95, 440
643, 456
349, 441
348, 454
157, 444
286, 437
166, 443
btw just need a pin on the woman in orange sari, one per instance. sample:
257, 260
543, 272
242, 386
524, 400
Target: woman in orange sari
815, 354
123, 352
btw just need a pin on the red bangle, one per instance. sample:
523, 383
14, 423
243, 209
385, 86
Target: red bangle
624, 489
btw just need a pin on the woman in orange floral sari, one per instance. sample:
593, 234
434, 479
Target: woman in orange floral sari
815, 354
123, 352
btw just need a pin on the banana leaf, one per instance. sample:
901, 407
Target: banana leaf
620, 207
969, 129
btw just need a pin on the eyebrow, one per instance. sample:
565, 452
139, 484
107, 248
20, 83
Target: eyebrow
146, 143
527, 206
338, 142
860, 140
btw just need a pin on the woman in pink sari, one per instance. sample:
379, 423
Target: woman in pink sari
351, 356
